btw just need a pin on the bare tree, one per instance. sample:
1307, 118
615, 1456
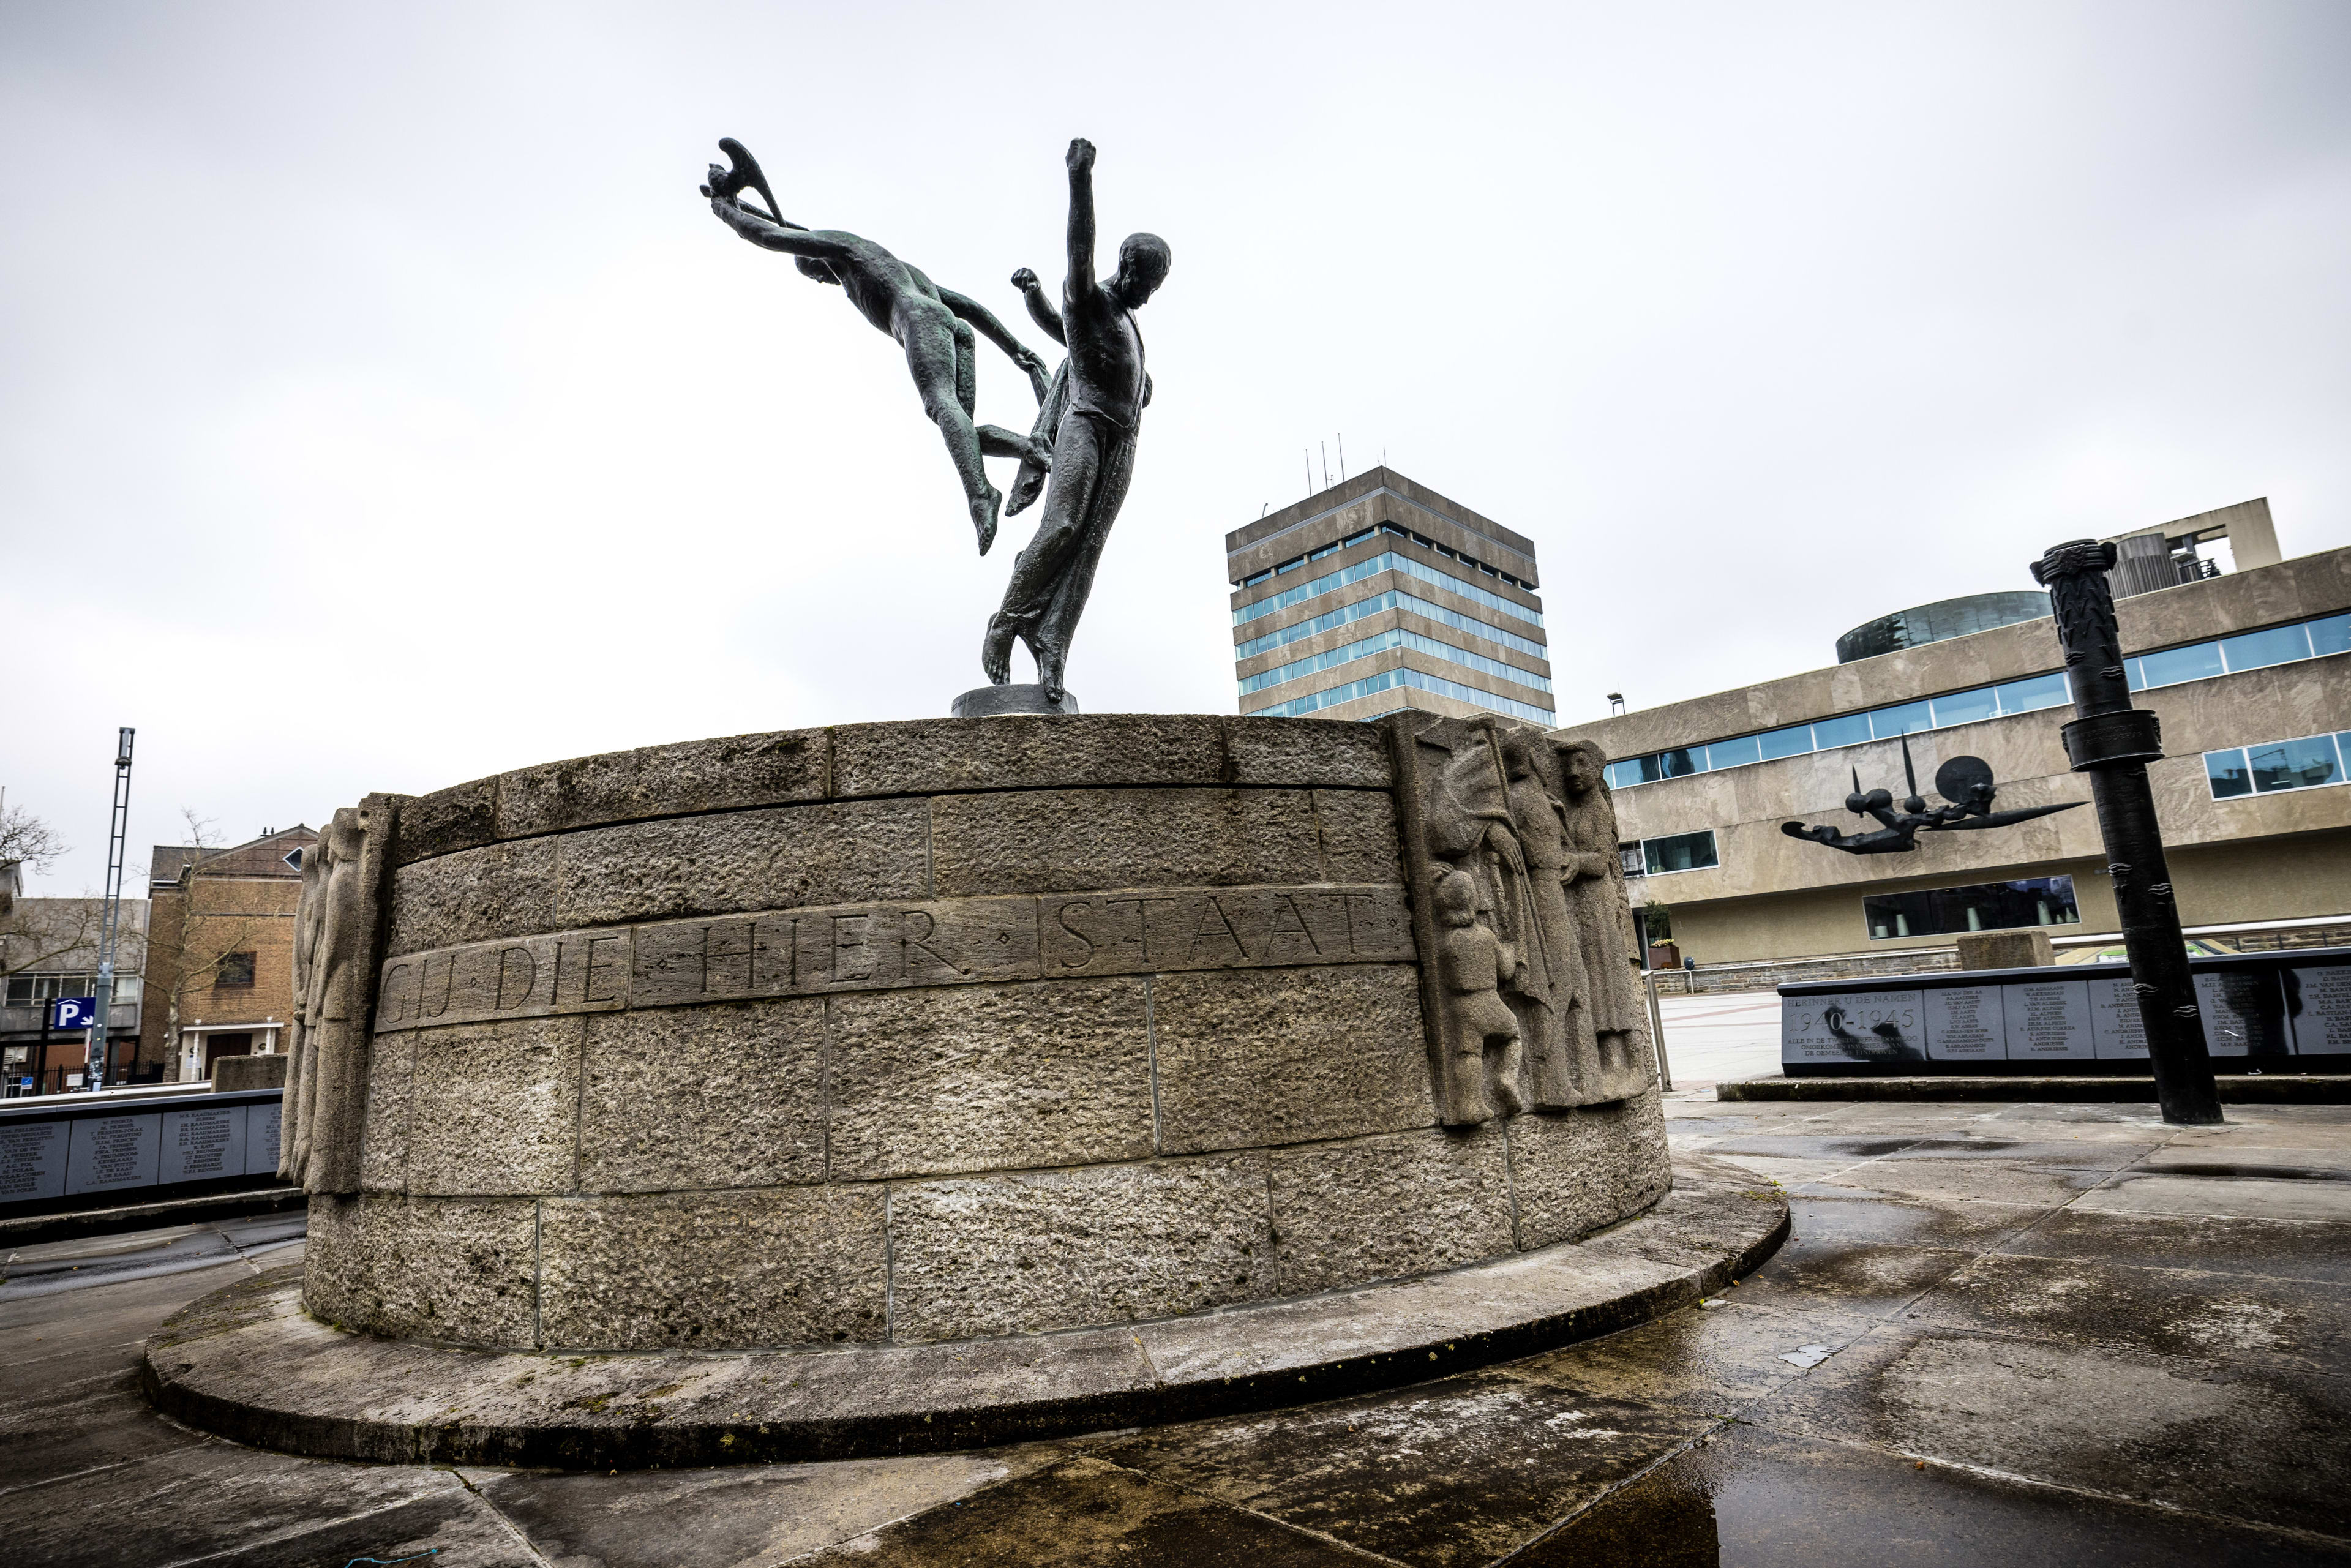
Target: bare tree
27, 841
35, 934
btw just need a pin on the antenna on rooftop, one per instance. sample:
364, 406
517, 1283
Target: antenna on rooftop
1343, 459
1326, 463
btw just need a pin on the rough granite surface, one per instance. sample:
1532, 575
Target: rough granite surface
665, 780
474, 895
736, 860
1252, 1058
1358, 833
968, 1078
714, 1269
495, 1108
704, 1097
1028, 1253
1079, 840
1574, 1172
1403, 1203
390, 1102
416, 1267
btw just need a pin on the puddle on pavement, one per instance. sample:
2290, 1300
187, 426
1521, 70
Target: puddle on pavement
1758, 1498
2246, 1173
1871, 1148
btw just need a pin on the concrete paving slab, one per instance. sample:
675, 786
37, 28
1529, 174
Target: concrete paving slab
2235, 1197
2286, 1248
1713, 1362
1083, 1511
1946, 1180
1448, 1473
2156, 1311
453, 1529
743, 1517
193, 1502
2256, 1442
1763, 1500
1967, 1224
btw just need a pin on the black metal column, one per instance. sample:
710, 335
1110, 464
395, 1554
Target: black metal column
2113, 742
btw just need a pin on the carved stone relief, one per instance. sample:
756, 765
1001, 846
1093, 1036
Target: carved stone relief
896, 945
338, 931
1510, 852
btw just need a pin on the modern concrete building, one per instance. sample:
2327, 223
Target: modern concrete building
2250, 673
48, 949
1380, 594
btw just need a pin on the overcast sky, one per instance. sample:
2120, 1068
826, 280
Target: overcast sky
381, 407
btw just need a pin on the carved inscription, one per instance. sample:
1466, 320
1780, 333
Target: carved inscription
1222, 929
529, 977
858, 947
886, 947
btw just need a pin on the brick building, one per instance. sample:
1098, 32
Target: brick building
219, 953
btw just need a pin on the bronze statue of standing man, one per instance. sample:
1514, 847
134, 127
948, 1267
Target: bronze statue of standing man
1093, 449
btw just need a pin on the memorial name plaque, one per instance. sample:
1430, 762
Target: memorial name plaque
1964, 1023
2320, 1008
32, 1162
2116, 1029
1857, 1025
203, 1143
261, 1138
2244, 1013
110, 1152
2049, 1022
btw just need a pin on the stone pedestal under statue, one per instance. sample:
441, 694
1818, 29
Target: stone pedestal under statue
958, 1039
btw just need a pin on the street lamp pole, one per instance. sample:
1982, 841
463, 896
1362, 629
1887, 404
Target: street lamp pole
110, 913
2113, 741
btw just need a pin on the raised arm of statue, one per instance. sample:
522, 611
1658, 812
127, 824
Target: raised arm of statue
1040, 308
1080, 163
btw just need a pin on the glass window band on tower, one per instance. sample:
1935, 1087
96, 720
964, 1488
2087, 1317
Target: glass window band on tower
1423, 580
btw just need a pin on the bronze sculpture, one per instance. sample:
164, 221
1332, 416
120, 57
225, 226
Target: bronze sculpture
1088, 410
935, 326
1965, 782
1092, 453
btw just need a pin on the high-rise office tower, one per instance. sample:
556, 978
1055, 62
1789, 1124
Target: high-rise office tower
1379, 594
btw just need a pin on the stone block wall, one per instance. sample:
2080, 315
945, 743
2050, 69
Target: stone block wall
917, 1033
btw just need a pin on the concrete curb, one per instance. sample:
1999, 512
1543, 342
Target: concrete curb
2248, 1089
27, 1231
248, 1364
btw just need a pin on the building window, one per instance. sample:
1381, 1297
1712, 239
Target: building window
2271, 766
2245, 651
2197, 662
1679, 851
36, 990
1381, 643
1387, 560
1629, 856
235, 971
1981, 907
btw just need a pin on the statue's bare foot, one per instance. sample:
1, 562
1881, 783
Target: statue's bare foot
995, 651
984, 511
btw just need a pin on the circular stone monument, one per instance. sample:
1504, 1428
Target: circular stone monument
940, 1046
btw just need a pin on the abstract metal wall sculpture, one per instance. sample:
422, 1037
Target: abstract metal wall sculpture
1965, 782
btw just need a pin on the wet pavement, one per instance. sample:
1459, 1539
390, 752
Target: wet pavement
2008, 1334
